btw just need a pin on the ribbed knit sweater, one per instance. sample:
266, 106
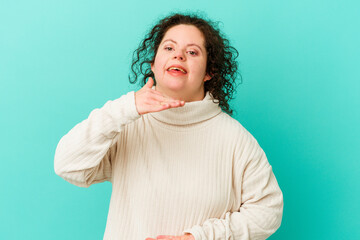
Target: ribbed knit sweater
192, 169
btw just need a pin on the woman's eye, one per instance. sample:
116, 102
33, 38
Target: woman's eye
192, 53
168, 48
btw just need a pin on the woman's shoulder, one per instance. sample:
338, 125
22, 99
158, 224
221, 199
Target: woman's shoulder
234, 128
230, 123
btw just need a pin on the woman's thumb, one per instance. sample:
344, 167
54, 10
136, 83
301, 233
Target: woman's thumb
149, 83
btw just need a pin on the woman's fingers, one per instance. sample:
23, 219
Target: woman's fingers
171, 102
165, 237
148, 100
172, 237
176, 104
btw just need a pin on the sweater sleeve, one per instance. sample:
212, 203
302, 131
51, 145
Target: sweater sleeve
258, 205
83, 156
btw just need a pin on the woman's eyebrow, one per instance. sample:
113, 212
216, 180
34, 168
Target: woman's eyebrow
190, 44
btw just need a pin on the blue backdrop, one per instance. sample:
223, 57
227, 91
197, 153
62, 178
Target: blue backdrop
300, 98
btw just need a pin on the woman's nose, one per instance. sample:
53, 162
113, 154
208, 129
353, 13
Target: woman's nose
179, 55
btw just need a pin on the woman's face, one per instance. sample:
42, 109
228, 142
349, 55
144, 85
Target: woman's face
180, 63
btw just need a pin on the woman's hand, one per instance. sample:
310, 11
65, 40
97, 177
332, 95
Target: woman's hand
148, 100
187, 236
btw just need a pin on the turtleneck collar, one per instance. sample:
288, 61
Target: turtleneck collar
191, 112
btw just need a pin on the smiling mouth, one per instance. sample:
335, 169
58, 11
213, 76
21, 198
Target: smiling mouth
177, 69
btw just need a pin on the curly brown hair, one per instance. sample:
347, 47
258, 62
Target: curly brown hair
221, 57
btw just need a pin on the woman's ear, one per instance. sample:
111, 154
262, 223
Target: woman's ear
207, 77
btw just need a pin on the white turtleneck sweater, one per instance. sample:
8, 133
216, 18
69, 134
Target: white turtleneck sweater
192, 169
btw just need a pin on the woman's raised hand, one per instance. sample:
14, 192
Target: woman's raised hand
148, 100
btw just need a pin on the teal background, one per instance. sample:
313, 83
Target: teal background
300, 98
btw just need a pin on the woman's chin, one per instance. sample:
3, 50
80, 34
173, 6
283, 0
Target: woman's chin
174, 86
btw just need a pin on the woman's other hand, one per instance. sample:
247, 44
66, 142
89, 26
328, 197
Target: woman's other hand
170, 237
148, 100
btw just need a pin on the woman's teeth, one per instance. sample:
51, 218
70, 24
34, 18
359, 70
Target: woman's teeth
177, 69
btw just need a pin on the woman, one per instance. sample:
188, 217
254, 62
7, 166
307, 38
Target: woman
181, 168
